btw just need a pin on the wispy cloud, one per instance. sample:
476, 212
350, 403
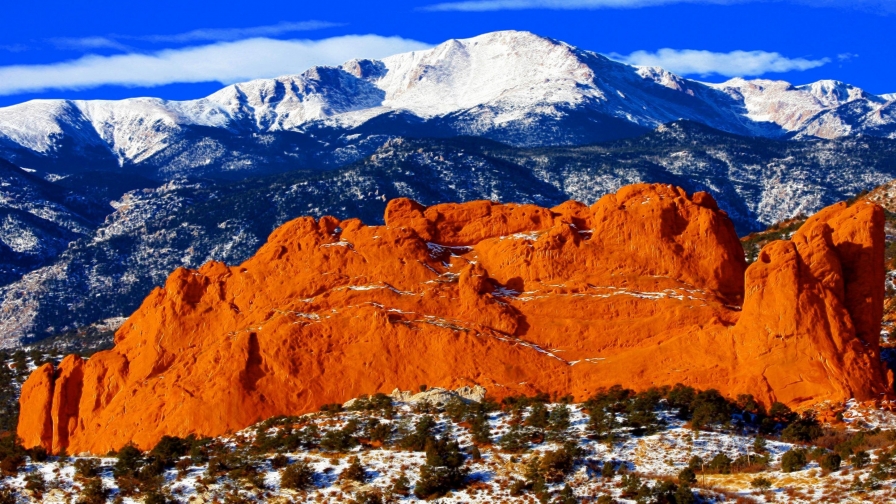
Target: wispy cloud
88, 43
497, 5
228, 34
14, 47
224, 62
730, 64
881, 6
116, 42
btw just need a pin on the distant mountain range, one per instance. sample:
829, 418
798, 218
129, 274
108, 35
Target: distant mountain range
100, 200
513, 87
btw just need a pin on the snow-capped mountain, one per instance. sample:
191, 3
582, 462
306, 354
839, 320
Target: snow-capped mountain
510, 86
824, 109
116, 194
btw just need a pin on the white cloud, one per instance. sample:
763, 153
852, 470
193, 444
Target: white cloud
14, 47
88, 43
224, 62
226, 34
202, 34
881, 6
497, 5
731, 64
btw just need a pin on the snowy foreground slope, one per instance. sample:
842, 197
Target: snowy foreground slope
510, 86
533, 452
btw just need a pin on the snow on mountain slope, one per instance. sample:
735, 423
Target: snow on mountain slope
518, 70
153, 231
511, 86
38, 220
38, 124
855, 117
795, 108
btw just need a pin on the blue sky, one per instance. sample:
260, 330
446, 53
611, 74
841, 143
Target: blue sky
181, 49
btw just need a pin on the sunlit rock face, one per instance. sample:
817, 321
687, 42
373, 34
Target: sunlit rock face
646, 287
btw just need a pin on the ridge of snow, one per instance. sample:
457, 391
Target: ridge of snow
492, 79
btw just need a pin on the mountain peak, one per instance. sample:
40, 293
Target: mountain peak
512, 86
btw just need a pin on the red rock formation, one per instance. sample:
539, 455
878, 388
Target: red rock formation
643, 288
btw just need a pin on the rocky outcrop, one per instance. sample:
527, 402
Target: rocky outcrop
646, 287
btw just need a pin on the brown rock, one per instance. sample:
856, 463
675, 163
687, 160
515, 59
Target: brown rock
646, 287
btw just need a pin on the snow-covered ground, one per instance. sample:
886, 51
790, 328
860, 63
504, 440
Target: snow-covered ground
653, 458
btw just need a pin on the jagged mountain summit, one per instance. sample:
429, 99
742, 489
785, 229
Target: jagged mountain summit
510, 86
648, 287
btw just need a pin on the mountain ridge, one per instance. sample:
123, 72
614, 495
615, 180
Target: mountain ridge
186, 223
514, 87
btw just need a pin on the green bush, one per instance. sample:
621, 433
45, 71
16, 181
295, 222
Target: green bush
368, 497
558, 421
687, 477
378, 431
443, 471
297, 476
171, 448
340, 440
354, 472
515, 440
279, 461
681, 398
86, 468
761, 483
641, 412
781, 413
538, 416
709, 407
557, 464
830, 462
401, 486
331, 409
860, 459
633, 487
35, 482
793, 460
156, 497
480, 430
684, 495
696, 463
601, 423
456, 409
517, 488
93, 492
38, 454
377, 402
804, 429
130, 459
475, 454
607, 470
566, 496
759, 445
416, 440
721, 464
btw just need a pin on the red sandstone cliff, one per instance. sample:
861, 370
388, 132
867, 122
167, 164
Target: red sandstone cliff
643, 288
